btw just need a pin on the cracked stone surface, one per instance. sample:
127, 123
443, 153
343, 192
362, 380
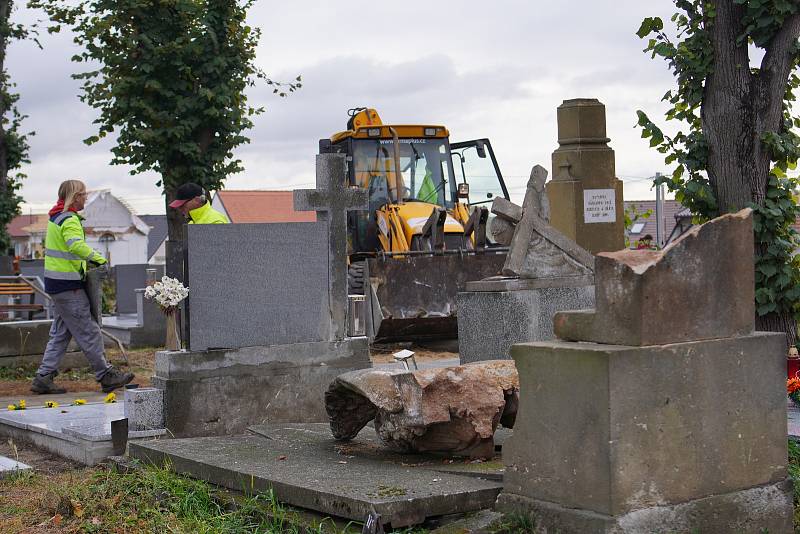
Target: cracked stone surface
449, 409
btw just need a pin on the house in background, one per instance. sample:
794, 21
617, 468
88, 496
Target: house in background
676, 220
242, 206
27, 234
156, 239
113, 229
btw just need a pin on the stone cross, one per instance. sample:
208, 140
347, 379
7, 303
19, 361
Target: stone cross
332, 199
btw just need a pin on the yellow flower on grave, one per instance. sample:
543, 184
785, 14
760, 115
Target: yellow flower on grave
21, 405
11, 407
79, 402
51, 404
111, 397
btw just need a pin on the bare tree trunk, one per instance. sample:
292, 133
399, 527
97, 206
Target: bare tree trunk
175, 237
727, 113
738, 107
779, 322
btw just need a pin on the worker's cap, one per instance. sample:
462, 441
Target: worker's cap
185, 193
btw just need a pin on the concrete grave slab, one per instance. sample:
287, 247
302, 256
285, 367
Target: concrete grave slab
314, 474
368, 445
10, 467
25, 338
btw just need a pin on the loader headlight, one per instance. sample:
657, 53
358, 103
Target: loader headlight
374, 132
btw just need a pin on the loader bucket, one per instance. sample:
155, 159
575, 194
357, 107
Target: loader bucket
414, 297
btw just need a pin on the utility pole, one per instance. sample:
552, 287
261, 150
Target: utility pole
659, 213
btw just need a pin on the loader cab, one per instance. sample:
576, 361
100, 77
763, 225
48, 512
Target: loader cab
475, 164
425, 165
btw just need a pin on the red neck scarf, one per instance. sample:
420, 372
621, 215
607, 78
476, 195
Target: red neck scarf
59, 207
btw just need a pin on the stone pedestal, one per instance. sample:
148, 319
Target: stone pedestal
665, 411
494, 315
676, 438
585, 194
221, 392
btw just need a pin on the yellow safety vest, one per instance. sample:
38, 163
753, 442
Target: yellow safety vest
205, 214
66, 253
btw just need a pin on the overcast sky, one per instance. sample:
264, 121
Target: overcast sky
483, 69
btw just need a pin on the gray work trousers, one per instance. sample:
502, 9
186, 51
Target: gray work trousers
73, 318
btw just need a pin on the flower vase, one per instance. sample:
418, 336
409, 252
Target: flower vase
173, 341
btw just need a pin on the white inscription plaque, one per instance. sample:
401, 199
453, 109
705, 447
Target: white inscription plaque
599, 206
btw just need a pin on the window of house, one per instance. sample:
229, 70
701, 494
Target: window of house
637, 228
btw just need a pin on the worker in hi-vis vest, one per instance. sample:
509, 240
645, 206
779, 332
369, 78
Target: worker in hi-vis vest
191, 201
66, 257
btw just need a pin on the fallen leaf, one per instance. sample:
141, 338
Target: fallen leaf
282, 457
77, 508
57, 520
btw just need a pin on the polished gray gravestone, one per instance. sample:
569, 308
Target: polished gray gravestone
332, 199
266, 317
80, 433
257, 284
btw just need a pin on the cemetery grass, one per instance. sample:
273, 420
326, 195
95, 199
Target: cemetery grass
16, 381
147, 499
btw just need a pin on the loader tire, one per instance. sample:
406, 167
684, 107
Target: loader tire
355, 278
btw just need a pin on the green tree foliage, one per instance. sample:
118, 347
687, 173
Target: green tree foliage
735, 142
13, 142
169, 79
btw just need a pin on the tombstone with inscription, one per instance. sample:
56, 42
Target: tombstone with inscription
544, 272
585, 193
266, 316
661, 410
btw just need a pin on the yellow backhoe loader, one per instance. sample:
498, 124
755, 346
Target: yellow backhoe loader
424, 235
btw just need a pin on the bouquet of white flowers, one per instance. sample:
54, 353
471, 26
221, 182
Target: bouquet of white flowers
168, 293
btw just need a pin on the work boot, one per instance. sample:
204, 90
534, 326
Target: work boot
44, 384
113, 379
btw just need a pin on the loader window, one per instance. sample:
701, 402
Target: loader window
424, 172
475, 164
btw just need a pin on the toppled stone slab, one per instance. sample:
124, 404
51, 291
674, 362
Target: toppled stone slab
367, 445
312, 473
450, 409
658, 297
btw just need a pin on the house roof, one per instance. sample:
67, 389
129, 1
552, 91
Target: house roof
24, 225
158, 232
672, 211
244, 206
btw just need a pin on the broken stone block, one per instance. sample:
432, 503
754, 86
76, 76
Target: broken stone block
448, 409
673, 418
672, 295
